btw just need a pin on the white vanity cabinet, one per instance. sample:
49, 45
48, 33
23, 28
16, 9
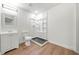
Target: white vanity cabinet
8, 28
8, 41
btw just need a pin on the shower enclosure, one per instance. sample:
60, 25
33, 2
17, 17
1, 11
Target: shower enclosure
39, 28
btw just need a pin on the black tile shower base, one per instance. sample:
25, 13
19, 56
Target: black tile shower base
39, 40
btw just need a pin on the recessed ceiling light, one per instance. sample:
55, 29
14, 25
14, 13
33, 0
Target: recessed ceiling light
36, 11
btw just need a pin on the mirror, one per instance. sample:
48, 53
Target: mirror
9, 20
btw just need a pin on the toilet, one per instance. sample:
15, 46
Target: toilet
27, 40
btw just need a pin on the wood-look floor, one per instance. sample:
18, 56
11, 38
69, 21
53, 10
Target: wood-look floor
48, 49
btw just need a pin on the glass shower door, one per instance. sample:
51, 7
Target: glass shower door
39, 27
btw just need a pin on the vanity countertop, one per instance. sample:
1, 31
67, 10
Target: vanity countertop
8, 32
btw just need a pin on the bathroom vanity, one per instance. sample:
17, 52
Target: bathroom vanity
8, 41
8, 32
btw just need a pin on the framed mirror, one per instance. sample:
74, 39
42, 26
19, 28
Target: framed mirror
9, 20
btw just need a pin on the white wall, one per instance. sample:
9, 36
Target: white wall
0, 23
77, 27
22, 23
0, 16
22, 20
61, 25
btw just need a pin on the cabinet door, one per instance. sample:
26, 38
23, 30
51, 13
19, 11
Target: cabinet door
8, 42
5, 43
14, 41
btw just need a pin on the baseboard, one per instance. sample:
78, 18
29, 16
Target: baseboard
77, 51
0, 53
63, 46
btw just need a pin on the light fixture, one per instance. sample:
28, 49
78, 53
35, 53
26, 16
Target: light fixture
36, 12
11, 2
9, 7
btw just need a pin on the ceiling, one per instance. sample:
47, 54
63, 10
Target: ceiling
37, 6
